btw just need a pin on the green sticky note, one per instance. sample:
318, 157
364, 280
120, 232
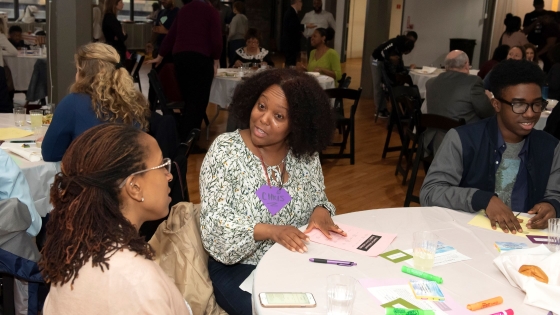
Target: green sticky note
163, 19
400, 303
396, 256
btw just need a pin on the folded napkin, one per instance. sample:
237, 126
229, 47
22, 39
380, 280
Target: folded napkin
315, 74
539, 294
32, 154
429, 69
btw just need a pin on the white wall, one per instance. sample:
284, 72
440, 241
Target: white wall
356, 29
436, 21
396, 18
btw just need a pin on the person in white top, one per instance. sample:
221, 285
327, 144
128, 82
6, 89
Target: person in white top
113, 179
6, 48
319, 18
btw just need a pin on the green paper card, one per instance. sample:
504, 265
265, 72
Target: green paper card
396, 256
399, 303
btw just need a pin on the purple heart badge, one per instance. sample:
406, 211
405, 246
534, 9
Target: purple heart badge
274, 198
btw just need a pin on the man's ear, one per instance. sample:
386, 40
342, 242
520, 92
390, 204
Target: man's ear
496, 104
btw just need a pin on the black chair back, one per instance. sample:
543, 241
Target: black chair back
160, 99
427, 121
396, 118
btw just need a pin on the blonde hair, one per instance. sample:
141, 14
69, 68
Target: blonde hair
111, 88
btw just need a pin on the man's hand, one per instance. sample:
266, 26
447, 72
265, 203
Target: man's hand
160, 29
500, 214
489, 94
321, 219
543, 211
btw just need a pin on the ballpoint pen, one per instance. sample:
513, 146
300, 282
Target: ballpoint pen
333, 262
22, 141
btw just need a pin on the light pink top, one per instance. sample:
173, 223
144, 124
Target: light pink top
515, 39
131, 285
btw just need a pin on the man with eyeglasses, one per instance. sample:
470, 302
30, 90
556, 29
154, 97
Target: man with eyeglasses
501, 164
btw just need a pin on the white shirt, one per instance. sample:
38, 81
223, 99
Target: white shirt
324, 19
6, 48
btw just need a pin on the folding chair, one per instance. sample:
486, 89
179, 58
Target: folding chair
346, 124
409, 107
427, 121
135, 73
395, 119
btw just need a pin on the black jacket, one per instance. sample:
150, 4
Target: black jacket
114, 36
291, 31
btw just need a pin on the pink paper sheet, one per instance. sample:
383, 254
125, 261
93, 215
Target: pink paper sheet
359, 241
456, 308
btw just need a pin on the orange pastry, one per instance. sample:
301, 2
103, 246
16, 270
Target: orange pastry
535, 272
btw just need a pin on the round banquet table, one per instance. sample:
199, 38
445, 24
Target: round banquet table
467, 281
223, 87
39, 175
22, 69
420, 78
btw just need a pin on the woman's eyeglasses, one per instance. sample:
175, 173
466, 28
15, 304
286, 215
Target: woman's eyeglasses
166, 164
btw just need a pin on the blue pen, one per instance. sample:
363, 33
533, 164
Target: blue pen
333, 262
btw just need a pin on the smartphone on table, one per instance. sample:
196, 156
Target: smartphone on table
287, 299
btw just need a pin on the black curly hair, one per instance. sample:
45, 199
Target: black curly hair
328, 33
311, 120
513, 72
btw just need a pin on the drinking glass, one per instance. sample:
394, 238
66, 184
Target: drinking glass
554, 235
424, 247
303, 58
341, 293
36, 118
19, 116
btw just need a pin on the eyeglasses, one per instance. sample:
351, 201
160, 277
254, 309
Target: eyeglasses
166, 164
519, 107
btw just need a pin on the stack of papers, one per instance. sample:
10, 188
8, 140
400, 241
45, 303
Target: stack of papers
426, 290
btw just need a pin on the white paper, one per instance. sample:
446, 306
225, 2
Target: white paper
247, 285
396, 256
390, 293
445, 258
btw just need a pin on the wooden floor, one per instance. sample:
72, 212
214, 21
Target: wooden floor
368, 184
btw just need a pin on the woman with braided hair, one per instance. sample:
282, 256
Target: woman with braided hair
113, 178
103, 92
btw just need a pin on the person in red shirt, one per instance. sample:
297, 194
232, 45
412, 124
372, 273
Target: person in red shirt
195, 40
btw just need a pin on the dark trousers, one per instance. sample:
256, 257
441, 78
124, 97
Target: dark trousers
194, 73
291, 58
6, 103
226, 280
234, 45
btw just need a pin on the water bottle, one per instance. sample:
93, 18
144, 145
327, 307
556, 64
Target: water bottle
544, 92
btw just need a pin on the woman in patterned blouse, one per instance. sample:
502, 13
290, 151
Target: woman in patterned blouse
259, 184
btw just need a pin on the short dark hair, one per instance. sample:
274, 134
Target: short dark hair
513, 72
512, 23
310, 117
328, 33
412, 34
253, 33
239, 6
15, 29
156, 6
500, 53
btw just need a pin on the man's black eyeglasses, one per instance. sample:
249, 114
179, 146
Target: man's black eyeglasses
520, 107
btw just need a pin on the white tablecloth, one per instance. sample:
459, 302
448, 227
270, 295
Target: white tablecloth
22, 69
467, 281
223, 87
420, 79
39, 175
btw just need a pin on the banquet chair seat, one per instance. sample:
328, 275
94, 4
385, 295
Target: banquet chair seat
396, 120
347, 124
427, 121
408, 107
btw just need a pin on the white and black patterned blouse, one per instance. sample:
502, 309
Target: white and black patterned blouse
264, 55
229, 177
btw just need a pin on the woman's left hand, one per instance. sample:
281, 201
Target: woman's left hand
320, 70
321, 219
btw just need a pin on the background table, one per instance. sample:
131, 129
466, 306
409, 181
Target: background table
223, 87
420, 79
467, 281
39, 175
22, 69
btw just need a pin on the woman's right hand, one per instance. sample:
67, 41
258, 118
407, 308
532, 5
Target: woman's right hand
289, 237
157, 61
237, 64
300, 66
